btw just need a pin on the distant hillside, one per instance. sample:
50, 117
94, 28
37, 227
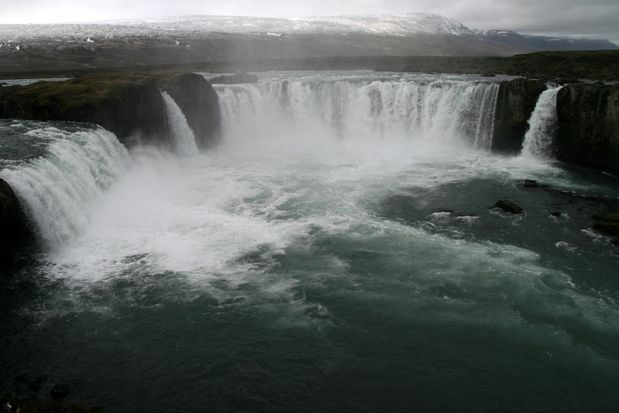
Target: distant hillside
200, 39
564, 66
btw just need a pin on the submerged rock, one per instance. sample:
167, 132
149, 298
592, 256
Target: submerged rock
37, 383
607, 216
530, 183
607, 223
59, 392
509, 207
606, 228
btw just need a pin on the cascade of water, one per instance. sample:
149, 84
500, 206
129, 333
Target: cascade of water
182, 135
59, 189
543, 125
439, 111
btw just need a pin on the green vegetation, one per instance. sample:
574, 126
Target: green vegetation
595, 65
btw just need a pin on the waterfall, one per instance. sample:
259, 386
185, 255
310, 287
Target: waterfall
183, 137
436, 111
59, 189
539, 139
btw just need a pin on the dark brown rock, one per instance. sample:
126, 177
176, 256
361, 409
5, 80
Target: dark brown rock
14, 228
588, 133
200, 105
515, 104
130, 106
509, 207
529, 183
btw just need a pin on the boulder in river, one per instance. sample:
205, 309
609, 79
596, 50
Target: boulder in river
530, 183
607, 223
509, 207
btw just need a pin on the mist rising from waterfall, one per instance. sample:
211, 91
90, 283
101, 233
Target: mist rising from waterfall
60, 189
183, 138
342, 215
324, 110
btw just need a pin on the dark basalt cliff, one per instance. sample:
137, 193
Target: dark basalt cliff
515, 104
589, 126
588, 121
131, 106
14, 228
200, 104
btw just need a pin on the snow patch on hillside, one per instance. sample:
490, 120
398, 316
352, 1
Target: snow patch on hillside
199, 25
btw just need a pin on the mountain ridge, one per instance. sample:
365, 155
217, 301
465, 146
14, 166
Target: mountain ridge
202, 39
383, 24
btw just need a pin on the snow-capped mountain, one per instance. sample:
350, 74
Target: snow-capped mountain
413, 23
200, 39
409, 24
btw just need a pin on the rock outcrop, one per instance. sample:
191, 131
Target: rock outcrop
589, 125
515, 104
14, 228
130, 106
200, 104
509, 207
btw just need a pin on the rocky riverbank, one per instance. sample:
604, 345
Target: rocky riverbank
588, 132
587, 121
131, 106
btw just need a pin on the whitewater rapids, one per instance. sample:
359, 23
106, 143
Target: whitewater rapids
340, 233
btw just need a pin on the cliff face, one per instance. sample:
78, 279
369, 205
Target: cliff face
200, 104
14, 228
515, 104
589, 126
131, 106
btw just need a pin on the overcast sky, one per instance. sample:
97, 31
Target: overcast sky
596, 18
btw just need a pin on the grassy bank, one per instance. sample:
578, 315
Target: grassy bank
598, 65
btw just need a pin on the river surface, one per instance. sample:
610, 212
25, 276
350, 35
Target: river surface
335, 253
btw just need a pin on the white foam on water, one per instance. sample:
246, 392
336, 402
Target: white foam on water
298, 164
60, 189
